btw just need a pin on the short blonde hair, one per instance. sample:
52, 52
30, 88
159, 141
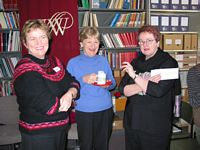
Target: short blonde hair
88, 32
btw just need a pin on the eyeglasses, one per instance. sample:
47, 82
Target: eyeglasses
148, 42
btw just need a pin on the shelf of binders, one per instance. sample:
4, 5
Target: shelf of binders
174, 20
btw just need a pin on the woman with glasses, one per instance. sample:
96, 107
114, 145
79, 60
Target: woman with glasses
148, 113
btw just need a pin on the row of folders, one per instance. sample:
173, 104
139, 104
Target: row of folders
112, 4
7, 66
171, 22
9, 20
120, 40
8, 4
10, 41
175, 4
133, 20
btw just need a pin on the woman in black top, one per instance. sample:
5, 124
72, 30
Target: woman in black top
44, 92
148, 113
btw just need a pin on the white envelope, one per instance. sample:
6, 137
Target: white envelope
167, 73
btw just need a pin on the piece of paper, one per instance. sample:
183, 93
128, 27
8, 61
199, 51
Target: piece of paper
167, 73
176, 130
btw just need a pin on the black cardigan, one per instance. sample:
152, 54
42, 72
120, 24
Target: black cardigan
152, 112
39, 87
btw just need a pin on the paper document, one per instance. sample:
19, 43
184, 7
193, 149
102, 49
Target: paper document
176, 130
167, 73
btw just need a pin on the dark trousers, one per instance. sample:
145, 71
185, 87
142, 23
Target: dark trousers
138, 140
48, 141
94, 129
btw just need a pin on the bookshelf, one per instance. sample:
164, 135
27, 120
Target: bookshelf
118, 22
179, 25
10, 48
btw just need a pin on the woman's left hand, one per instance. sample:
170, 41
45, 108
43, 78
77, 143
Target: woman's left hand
155, 78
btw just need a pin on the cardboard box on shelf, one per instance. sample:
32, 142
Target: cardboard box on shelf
177, 41
194, 41
187, 41
173, 41
186, 65
167, 41
186, 57
120, 103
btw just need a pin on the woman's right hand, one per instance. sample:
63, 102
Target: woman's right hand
127, 67
90, 78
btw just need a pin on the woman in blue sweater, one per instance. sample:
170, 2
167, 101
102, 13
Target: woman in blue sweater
94, 113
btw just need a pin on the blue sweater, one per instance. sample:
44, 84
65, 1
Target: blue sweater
92, 98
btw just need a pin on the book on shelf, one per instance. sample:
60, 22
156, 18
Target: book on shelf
3, 23
1, 42
95, 20
126, 4
5, 41
7, 20
134, 4
103, 3
137, 20
116, 59
5, 65
85, 3
1, 5
10, 41
132, 20
111, 4
124, 39
115, 4
4, 73
107, 40
6, 88
12, 20
119, 40
114, 40
127, 19
121, 20
1, 73
86, 19
9, 66
80, 3
120, 4
95, 3
91, 19
143, 18
14, 60
16, 18
115, 19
